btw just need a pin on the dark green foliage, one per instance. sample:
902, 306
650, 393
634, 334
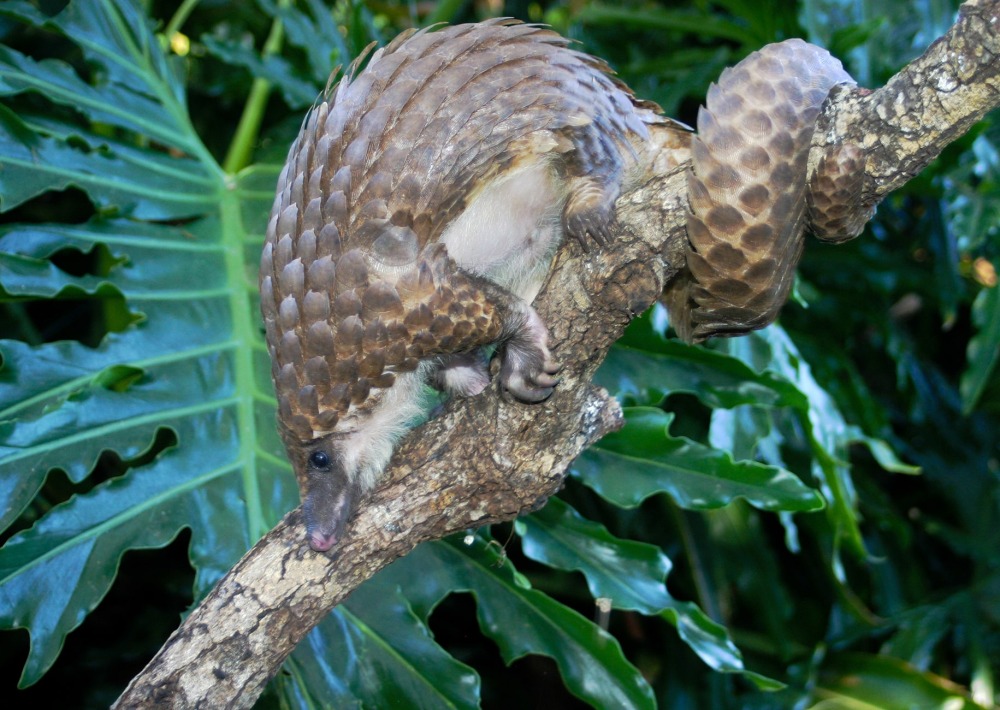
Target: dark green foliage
756, 478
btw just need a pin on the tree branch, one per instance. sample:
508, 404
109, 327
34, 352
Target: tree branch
932, 102
486, 460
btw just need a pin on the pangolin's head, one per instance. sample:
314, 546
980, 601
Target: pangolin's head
329, 496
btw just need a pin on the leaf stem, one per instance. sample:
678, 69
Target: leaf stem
241, 148
699, 576
179, 18
25, 326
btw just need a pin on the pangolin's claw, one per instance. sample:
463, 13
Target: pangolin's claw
529, 371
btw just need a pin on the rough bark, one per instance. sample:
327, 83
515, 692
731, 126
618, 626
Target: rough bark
485, 460
932, 102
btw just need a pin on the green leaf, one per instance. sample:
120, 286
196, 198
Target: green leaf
643, 459
115, 36
717, 379
112, 104
712, 643
190, 372
373, 651
521, 620
882, 453
54, 573
747, 432
630, 574
297, 92
970, 189
318, 33
826, 433
845, 39
918, 634
861, 681
116, 178
983, 352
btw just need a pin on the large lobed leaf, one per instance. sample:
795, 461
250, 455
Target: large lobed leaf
643, 459
190, 367
519, 619
373, 651
629, 575
759, 388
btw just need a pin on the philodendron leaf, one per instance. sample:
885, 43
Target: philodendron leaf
139, 93
825, 432
984, 348
765, 382
187, 374
630, 575
717, 379
119, 179
297, 93
862, 682
52, 574
316, 32
373, 651
519, 619
643, 459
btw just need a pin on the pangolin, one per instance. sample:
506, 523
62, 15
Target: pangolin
418, 212
750, 199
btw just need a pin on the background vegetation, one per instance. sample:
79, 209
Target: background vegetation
751, 537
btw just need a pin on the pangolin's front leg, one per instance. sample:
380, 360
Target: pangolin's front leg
349, 366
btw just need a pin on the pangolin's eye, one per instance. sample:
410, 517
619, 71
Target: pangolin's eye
319, 459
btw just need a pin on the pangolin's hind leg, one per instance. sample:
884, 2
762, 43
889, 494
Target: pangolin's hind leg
590, 209
462, 374
527, 368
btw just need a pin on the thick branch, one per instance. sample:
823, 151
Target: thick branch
935, 100
486, 460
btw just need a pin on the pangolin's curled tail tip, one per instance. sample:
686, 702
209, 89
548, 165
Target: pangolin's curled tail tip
836, 211
748, 191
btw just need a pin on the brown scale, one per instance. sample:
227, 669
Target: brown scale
748, 190
359, 290
383, 163
836, 213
